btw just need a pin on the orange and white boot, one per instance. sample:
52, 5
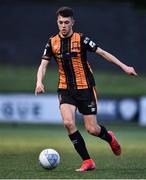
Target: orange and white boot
87, 165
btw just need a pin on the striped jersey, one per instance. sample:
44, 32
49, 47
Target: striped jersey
71, 56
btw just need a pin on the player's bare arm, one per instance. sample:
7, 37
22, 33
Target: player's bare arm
109, 57
40, 76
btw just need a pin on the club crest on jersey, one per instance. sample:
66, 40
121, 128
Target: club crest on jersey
75, 45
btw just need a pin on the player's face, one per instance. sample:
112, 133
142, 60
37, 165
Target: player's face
65, 25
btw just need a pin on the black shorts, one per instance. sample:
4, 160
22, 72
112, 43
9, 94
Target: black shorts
83, 99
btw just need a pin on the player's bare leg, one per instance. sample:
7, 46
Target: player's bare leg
68, 115
95, 129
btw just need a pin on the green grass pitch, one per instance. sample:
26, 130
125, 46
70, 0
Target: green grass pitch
20, 146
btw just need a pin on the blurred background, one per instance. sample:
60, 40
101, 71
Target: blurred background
117, 26
29, 124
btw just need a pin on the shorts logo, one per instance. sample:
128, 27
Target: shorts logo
92, 104
93, 109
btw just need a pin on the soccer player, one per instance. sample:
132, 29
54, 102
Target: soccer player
76, 87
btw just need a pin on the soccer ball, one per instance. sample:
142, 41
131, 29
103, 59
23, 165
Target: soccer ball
49, 159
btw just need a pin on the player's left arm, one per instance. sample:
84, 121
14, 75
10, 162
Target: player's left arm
111, 58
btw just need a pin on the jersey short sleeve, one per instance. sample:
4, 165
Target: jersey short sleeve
89, 44
47, 51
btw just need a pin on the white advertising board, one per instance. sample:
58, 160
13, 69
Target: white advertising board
29, 108
142, 111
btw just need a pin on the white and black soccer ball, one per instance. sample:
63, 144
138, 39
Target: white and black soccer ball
49, 159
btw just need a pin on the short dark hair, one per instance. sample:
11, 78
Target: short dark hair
65, 12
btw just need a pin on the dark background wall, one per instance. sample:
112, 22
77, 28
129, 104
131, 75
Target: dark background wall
116, 27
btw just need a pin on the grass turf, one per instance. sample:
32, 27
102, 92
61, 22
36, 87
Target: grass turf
20, 146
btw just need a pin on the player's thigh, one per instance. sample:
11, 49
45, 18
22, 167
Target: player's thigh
68, 113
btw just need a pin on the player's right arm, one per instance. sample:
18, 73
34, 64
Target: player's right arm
111, 58
91, 46
42, 68
40, 77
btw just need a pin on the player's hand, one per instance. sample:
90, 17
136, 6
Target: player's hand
129, 70
39, 88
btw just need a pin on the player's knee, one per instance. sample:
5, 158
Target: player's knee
69, 124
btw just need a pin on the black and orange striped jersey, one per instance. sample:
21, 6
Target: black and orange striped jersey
71, 56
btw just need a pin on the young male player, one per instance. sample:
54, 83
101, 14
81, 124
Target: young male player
76, 87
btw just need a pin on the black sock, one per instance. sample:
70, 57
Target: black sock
104, 134
79, 145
